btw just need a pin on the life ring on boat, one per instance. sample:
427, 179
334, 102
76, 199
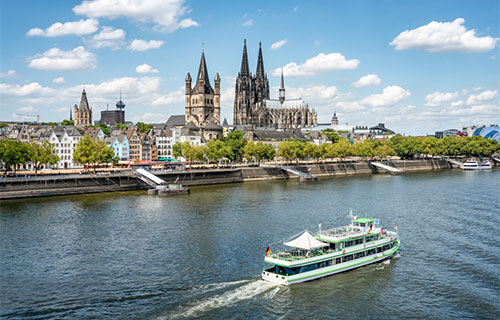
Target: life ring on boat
343, 251
391, 239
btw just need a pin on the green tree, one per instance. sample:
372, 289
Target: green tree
120, 126
249, 151
177, 150
453, 145
384, 150
312, 150
143, 127
331, 135
286, 150
104, 128
270, 152
90, 151
363, 149
395, 142
216, 150
236, 142
66, 122
342, 149
43, 153
409, 147
13, 153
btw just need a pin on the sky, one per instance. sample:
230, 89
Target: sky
417, 66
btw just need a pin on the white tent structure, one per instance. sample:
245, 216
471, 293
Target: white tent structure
306, 242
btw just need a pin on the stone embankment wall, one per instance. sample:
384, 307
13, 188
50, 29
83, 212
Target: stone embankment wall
12, 188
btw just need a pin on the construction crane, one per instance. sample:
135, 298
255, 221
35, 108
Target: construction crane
25, 115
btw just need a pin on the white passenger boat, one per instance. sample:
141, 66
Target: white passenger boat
475, 165
331, 251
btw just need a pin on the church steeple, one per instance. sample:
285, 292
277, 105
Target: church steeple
245, 70
202, 81
282, 89
260, 63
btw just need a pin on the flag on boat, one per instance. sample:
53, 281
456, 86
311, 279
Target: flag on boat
268, 251
396, 227
177, 180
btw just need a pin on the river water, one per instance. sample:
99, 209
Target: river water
133, 256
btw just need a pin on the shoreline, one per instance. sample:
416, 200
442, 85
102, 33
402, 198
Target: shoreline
45, 186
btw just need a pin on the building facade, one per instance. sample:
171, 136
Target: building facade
112, 117
83, 113
253, 106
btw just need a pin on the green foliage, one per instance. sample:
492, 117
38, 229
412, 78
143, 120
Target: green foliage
331, 135
312, 151
216, 149
49, 124
236, 142
43, 153
143, 127
66, 122
384, 150
104, 128
120, 126
259, 151
3, 125
90, 151
13, 153
177, 150
363, 149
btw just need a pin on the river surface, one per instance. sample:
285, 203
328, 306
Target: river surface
133, 256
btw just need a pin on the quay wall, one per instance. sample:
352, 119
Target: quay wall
13, 188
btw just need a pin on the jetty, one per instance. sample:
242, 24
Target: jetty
160, 187
392, 170
303, 176
455, 162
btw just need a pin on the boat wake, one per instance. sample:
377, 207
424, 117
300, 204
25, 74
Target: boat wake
244, 292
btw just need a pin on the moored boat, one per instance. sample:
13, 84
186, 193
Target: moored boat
476, 165
331, 251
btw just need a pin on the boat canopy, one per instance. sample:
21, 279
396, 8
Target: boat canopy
306, 242
364, 220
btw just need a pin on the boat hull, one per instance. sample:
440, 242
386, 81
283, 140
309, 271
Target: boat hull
330, 270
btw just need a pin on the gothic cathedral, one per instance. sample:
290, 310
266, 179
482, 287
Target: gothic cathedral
253, 106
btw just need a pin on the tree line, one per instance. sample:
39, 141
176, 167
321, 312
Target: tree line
15, 154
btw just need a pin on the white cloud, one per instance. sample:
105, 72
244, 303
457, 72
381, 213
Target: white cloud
26, 109
443, 36
349, 106
317, 42
7, 74
107, 38
316, 94
77, 59
59, 80
458, 103
141, 45
150, 117
145, 68
79, 28
278, 44
368, 80
165, 14
33, 88
173, 97
484, 96
389, 97
247, 23
438, 98
322, 63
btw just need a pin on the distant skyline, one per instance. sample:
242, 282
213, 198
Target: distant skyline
417, 66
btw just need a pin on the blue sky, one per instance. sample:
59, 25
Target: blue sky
418, 66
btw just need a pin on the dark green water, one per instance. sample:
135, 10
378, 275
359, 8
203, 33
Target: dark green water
133, 256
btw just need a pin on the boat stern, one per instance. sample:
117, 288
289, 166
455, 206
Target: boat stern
274, 278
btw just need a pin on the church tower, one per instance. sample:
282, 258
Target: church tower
83, 113
202, 101
261, 81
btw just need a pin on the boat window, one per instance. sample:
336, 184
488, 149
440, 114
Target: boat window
347, 258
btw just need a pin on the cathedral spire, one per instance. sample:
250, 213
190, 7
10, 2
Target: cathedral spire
245, 70
282, 88
260, 63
